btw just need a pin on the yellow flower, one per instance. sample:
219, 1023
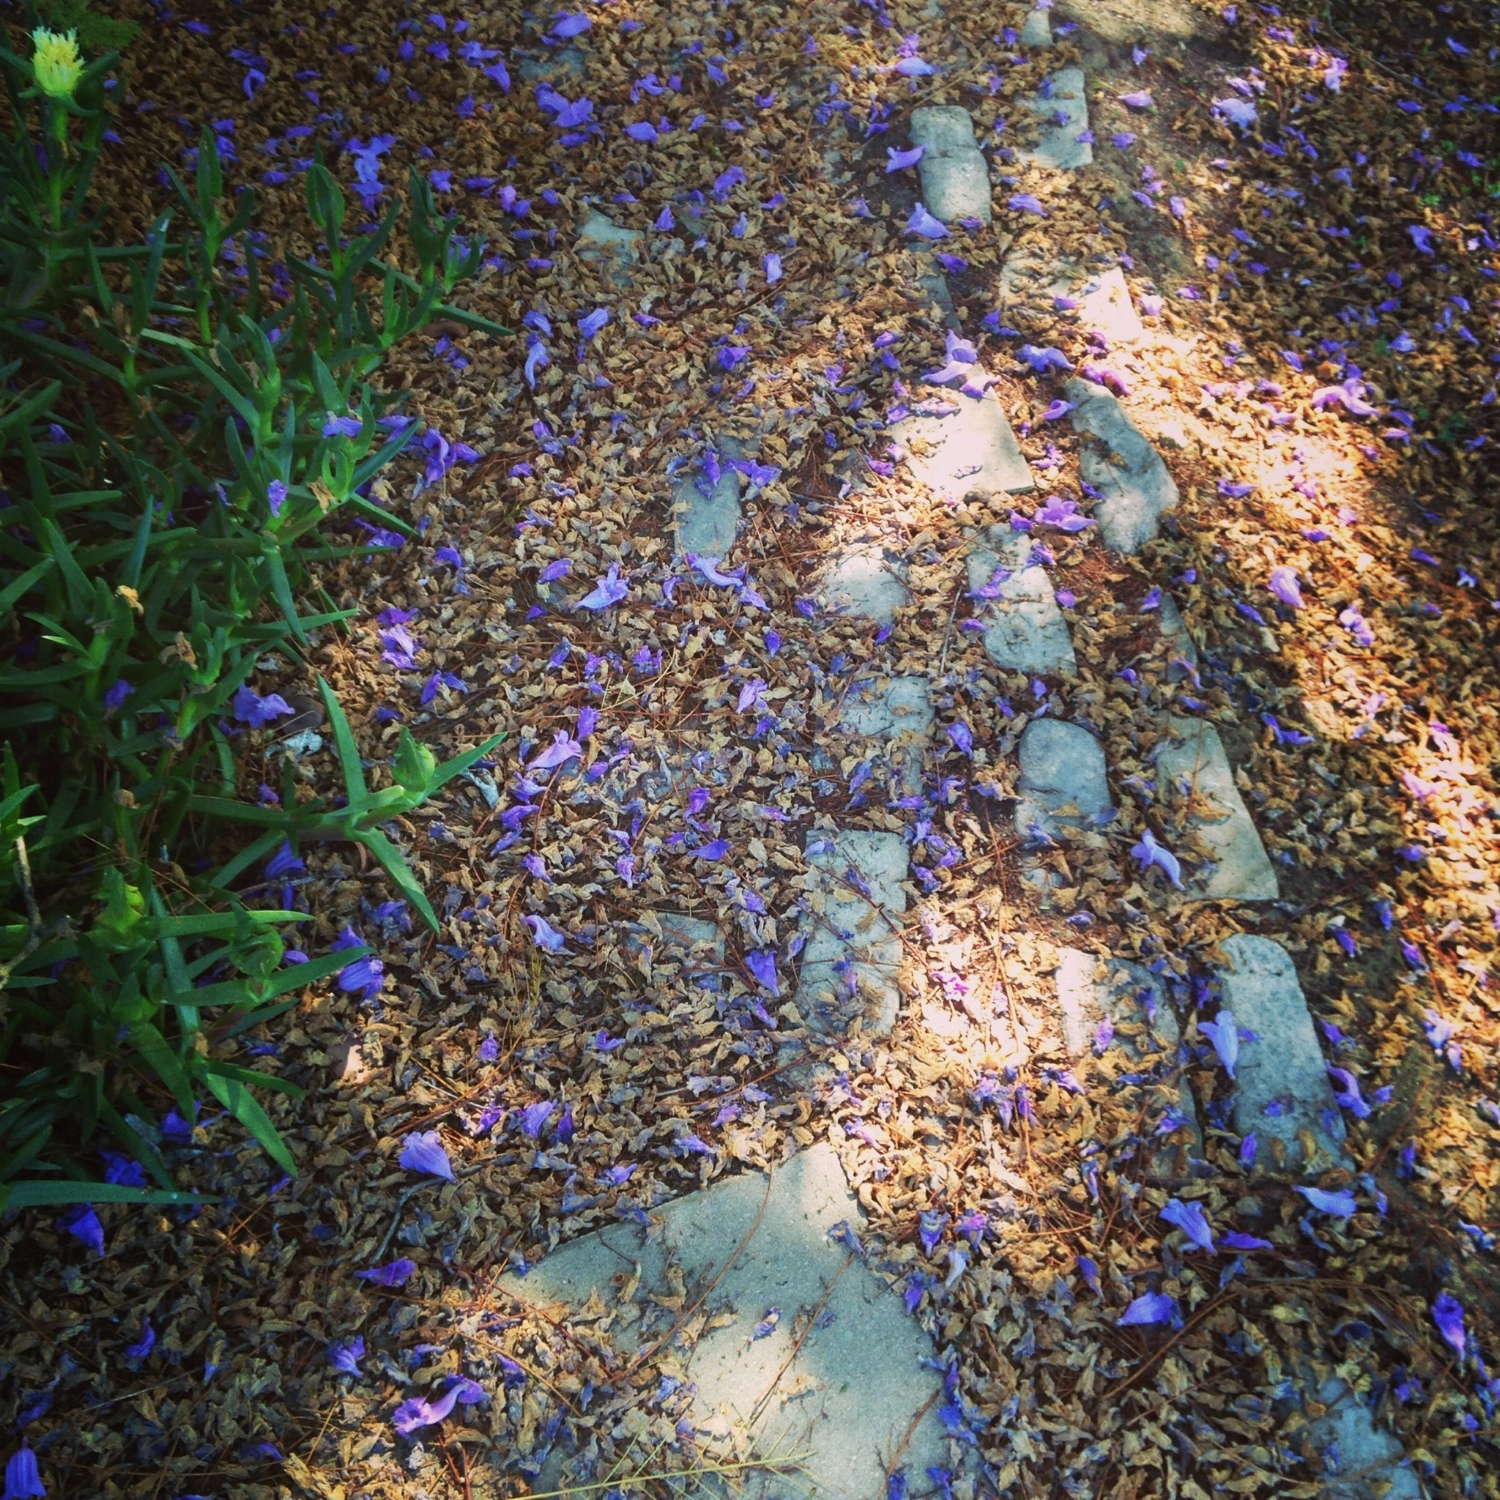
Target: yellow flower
57, 64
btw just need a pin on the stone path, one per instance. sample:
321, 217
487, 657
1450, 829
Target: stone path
792, 1342
788, 1344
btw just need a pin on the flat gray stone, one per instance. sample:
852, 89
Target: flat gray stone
845, 1395
610, 246
1284, 1069
1357, 1455
1130, 997
561, 62
968, 450
957, 187
1036, 31
955, 175
1136, 486
1064, 113
1027, 632
1105, 308
899, 714
865, 582
1174, 632
1062, 780
706, 525
853, 949
1194, 758
694, 941
944, 129
900, 709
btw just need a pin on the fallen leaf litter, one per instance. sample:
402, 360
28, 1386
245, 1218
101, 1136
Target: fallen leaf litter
611, 1052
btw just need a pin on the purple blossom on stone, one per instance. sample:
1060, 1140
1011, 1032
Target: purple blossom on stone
423, 1151
1225, 1036
1347, 1093
922, 223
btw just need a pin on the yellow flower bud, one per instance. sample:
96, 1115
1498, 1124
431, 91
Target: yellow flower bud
56, 64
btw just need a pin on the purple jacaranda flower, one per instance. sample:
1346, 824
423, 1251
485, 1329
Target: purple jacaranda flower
337, 426
1350, 395
1122, 140
559, 568
1062, 514
930, 1228
276, 496
396, 1273
694, 1144
1088, 1268
1348, 1093
562, 749
1345, 940
250, 707
1234, 1240
543, 934
923, 223
1058, 409
592, 323
762, 965
1340, 1204
1148, 1308
1283, 583
1240, 112
345, 1358
143, 1345
23, 1480
713, 850
897, 161
284, 862
1225, 1036
419, 1412
83, 1224
1190, 1219
610, 589
913, 67
116, 694
1421, 237
962, 736
1040, 359
643, 131
365, 974
567, 25
535, 1116
1448, 1314
423, 1151
1148, 852
771, 264
1026, 203
1138, 99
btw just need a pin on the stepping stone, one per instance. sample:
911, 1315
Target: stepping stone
1105, 308
970, 450
1130, 997
903, 708
899, 714
1027, 632
1135, 483
1281, 1081
706, 525
935, 288
840, 1378
955, 175
864, 582
1194, 757
1368, 1458
698, 943
1179, 642
563, 62
1062, 781
610, 246
1064, 111
853, 947
1037, 29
